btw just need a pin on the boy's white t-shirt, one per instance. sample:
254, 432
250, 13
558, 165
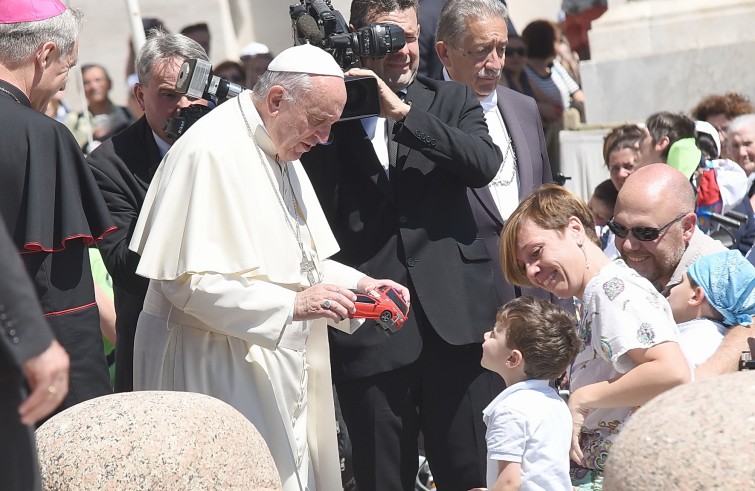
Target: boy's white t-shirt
529, 423
699, 339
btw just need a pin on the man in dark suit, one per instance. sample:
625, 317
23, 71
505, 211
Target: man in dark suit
394, 191
472, 37
429, 16
29, 354
123, 167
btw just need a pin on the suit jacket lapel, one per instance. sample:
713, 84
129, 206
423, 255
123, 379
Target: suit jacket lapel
483, 194
519, 142
486, 200
361, 146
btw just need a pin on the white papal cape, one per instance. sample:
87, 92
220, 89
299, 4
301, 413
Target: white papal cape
225, 269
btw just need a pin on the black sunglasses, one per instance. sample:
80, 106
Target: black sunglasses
644, 234
516, 51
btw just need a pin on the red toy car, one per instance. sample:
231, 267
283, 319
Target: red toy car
385, 305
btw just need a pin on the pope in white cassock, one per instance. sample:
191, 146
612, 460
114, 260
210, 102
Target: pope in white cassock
237, 247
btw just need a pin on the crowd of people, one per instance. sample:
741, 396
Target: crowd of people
232, 269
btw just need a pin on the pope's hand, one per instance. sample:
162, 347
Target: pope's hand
324, 301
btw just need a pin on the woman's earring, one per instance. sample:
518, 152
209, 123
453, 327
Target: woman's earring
584, 253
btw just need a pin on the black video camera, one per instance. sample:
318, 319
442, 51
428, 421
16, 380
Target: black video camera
197, 81
316, 22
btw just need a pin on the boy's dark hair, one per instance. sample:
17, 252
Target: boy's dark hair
544, 333
674, 126
607, 193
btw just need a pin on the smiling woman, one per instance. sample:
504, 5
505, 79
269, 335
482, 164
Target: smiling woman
629, 339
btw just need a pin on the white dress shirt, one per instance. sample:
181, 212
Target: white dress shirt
505, 185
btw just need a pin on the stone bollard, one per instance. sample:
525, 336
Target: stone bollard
697, 436
154, 440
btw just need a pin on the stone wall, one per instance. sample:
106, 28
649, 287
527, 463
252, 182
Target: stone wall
656, 55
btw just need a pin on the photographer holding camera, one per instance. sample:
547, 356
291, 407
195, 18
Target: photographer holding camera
394, 191
123, 167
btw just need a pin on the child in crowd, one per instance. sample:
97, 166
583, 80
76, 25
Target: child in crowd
717, 292
529, 425
601, 205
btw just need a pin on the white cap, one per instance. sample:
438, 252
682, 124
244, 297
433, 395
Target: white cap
254, 49
306, 58
706, 127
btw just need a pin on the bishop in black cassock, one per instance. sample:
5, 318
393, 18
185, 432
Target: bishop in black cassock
54, 211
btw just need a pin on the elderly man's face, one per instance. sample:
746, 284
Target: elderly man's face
657, 259
54, 76
742, 148
398, 69
477, 61
302, 122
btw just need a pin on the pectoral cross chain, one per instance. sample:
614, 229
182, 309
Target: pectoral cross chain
308, 267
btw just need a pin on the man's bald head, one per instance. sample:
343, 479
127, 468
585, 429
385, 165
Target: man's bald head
660, 197
657, 185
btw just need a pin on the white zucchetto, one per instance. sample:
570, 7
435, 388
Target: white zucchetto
306, 58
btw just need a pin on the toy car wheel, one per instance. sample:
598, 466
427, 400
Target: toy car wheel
386, 316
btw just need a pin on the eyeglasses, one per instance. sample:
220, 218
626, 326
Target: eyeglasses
644, 234
516, 51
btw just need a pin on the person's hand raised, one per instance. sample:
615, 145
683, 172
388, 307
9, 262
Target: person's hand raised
391, 105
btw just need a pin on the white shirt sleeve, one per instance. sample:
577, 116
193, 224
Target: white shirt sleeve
340, 274
506, 436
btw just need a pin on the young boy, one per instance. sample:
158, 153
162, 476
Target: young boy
529, 426
717, 292
601, 205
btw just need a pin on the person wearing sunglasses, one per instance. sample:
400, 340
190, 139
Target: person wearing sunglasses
655, 225
630, 351
644, 234
657, 236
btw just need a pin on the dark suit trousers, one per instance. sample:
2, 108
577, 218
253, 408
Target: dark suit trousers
19, 470
442, 395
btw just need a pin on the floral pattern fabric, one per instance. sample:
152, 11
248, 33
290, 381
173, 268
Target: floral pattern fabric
621, 311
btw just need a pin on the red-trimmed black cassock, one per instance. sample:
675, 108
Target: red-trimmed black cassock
54, 211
